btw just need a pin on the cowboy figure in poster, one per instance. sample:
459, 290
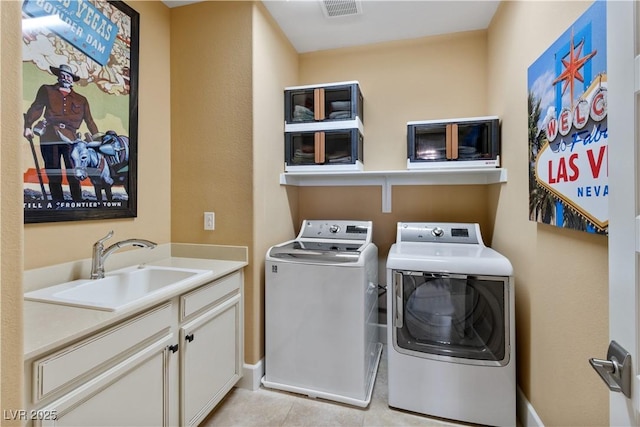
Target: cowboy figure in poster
64, 111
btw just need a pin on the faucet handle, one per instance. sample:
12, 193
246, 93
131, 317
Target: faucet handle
107, 237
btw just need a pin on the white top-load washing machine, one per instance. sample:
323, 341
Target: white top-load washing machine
321, 307
450, 325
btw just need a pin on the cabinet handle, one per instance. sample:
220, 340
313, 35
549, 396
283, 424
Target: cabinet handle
318, 104
189, 337
173, 348
319, 147
448, 137
454, 141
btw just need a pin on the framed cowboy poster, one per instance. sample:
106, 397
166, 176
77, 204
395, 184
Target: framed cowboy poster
80, 97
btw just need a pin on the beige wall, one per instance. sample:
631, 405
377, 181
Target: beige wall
43, 242
10, 210
458, 203
212, 135
211, 122
561, 275
275, 66
421, 79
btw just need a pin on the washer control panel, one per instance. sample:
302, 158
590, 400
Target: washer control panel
336, 229
441, 232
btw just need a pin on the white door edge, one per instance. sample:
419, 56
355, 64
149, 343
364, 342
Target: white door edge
623, 264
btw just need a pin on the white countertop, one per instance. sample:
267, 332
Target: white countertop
48, 326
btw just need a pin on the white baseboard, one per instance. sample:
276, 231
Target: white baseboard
525, 411
252, 374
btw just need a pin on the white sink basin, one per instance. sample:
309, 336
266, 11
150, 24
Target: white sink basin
118, 289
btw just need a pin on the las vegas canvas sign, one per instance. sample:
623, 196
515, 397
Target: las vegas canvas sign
569, 140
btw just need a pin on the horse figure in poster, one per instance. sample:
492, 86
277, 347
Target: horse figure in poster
105, 161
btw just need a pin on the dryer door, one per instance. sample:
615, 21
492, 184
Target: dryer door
457, 318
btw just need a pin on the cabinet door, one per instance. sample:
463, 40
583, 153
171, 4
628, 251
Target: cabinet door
474, 141
331, 147
429, 142
210, 359
342, 103
76, 363
309, 104
478, 139
342, 147
134, 392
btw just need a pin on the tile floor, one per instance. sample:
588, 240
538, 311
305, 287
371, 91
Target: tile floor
268, 407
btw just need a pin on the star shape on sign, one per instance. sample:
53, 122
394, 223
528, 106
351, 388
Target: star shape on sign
572, 66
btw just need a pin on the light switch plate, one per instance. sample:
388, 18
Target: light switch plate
209, 221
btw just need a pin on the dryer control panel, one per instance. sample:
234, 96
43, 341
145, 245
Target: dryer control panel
439, 232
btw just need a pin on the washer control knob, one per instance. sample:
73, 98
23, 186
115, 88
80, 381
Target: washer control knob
437, 232
334, 228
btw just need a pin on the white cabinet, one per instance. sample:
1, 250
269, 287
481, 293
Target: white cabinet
134, 392
210, 362
319, 106
169, 365
454, 143
323, 127
211, 353
73, 364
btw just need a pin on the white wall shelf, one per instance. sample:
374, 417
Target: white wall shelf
387, 179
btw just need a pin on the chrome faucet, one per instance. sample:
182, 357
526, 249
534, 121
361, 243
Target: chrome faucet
100, 254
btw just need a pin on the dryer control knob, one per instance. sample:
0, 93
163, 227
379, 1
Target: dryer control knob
437, 232
334, 228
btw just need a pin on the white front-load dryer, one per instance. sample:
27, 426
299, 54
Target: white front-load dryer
321, 308
450, 325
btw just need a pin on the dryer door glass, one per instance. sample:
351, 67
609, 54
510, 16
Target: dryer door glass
452, 316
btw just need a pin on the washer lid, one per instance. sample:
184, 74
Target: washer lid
318, 251
454, 258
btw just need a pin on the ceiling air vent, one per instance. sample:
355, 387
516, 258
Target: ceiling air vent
335, 8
